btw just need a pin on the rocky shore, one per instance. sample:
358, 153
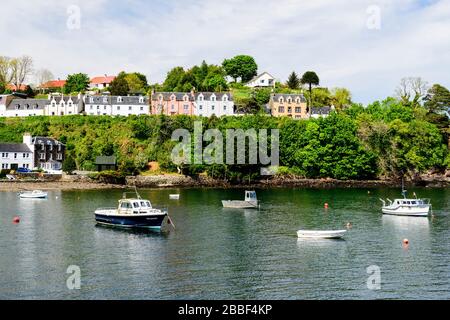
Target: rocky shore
79, 182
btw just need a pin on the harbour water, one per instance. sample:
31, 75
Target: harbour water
217, 253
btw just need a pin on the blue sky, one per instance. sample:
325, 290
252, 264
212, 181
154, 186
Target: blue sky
330, 37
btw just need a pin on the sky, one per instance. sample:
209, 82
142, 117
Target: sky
365, 46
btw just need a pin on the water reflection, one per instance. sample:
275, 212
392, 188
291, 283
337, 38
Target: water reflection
417, 224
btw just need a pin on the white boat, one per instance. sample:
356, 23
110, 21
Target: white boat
308, 234
174, 197
35, 194
407, 207
250, 202
132, 213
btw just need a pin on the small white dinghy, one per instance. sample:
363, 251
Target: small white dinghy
304, 234
35, 194
174, 197
250, 202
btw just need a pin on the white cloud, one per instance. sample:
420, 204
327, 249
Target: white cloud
329, 37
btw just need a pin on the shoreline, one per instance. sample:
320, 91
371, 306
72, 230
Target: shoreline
181, 182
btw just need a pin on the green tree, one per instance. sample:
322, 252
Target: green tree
341, 98
437, 99
241, 66
2, 87
69, 165
174, 79
293, 81
137, 83
119, 86
311, 79
78, 82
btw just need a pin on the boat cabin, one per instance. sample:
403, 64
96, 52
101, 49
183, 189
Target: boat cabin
134, 206
250, 196
410, 202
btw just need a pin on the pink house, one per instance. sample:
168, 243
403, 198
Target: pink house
173, 103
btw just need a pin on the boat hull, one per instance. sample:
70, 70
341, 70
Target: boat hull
423, 211
240, 204
302, 234
130, 221
41, 196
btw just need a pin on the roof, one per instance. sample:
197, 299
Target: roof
53, 84
114, 100
27, 104
66, 99
45, 140
320, 110
219, 95
179, 96
103, 79
14, 147
13, 87
106, 160
260, 75
293, 96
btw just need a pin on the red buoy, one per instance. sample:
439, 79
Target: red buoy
16, 220
326, 206
406, 242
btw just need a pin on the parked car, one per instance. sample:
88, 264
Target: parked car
23, 170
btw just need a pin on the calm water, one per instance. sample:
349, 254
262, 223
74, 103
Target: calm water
220, 253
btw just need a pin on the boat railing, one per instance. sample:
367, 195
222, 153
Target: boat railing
106, 209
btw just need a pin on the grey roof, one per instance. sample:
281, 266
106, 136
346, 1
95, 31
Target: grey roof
45, 140
25, 104
106, 160
179, 96
294, 96
126, 100
320, 110
14, 147
219, 95
75, 99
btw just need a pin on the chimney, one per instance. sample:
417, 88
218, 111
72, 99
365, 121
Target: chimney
27, 138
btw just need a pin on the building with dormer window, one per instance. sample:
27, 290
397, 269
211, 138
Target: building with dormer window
289, 105
173, 103
64, 105
116, 105
208, 104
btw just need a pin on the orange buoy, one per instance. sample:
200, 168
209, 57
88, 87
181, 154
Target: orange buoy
326, 206
405, 242
16, 220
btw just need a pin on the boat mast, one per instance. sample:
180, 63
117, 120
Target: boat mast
404, 192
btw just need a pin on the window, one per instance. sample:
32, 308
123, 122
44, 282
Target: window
186, 107
289, 100
91, 100
298, 110
281, 100
289, 109
5, 155
200, 107
59, 156
213, 98
142, 108
281, 109
225, 98
200, 98
105, 100
141, 100
98, 107
15, 155
118, 107
119, 99
173, 107
42, 156
212, 108
130, 108
24, 155
224, 108
104, 108
92, 107
42, 146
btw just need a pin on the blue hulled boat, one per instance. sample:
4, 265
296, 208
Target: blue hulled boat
132, 213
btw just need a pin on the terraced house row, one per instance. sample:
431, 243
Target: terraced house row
205, 104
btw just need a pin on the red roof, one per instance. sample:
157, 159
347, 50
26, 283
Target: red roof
13, 87
101, 80
53, 84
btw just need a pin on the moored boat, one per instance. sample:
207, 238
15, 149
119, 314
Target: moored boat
407, 207
132, 213
174, 197
311, 234
250, 202
35, 194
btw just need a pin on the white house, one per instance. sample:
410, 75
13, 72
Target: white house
116, 105
15, 155
64, 105
321, 112
23, 108
208, 104
102, 82
264, 80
